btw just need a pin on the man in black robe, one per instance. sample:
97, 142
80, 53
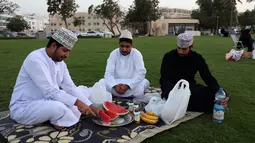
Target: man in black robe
183, 63
246, 39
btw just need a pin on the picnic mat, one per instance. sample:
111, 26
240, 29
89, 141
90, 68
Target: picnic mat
85, 130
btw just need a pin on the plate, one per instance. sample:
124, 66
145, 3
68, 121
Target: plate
120, 121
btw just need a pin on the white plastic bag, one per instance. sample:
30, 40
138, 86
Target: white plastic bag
234, 55
155, 105
146, 98
253, 54
99, 95
177, 103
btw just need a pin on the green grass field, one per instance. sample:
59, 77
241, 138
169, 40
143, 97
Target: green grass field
87, 65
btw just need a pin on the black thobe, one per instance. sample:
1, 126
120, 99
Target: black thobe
246, 39
175, 68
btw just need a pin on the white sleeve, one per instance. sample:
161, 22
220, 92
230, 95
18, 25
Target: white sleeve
109, 72
69, 87
39, 74
140, 71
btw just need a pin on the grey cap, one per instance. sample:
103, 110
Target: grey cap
184, 40
65, 37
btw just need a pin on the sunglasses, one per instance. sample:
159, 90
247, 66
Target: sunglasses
125, 46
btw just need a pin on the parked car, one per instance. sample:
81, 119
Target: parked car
94, 34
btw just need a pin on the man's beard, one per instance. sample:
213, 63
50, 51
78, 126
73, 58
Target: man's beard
124, 53
56, 58
183, 55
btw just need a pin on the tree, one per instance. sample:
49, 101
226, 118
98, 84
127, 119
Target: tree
17, 24
205, 14
247, 18
212, 10
10, 7
109, 11
78, 22
143, 12
64, 8
232, 5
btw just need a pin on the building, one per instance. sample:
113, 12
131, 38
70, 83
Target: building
37, 23
168, 13
42, 23
164, 27
91, 22
3, 20
32, 21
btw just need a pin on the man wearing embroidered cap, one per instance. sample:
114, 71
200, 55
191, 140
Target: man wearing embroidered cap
184, 63
125, 71
37, 96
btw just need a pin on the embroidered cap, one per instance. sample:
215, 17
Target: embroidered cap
126, 34
65, 37
184, 40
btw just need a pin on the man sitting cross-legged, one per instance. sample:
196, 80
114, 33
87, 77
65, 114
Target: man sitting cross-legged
125, 71
44, 90
184, 63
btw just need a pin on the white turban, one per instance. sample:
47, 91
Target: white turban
65, 37
184, 40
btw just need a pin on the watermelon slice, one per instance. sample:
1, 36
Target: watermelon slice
115, 108
111, 114
104, 117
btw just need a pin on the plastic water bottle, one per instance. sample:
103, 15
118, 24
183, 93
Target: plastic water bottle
218, 110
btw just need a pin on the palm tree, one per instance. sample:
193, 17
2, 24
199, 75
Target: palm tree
232, 3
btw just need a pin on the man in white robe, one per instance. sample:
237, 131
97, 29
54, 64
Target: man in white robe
44, 90
125, 71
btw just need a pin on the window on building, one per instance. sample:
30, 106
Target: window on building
89, 29
98, 23
60, 24
69, 24
33, 23
95, 23
89, 17
55, 24
89, 24
95, 17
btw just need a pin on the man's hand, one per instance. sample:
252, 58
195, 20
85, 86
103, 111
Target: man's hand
95, 110
124, 87
225, 102
118, 89
84, 109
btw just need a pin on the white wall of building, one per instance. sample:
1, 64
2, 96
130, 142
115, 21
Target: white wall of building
37, 23
3, 18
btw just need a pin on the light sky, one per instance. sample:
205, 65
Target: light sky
40, 6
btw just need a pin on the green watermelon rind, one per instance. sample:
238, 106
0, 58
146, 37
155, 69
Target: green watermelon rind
120, 114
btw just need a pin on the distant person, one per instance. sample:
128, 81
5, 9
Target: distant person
184, 63
44, 90
224, 32
246, 39
219, 31
125, 71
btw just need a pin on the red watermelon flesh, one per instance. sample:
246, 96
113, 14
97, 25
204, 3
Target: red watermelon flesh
115, 108
104, 117
111, 114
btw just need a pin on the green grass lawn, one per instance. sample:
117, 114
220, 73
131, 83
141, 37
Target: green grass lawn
87, 65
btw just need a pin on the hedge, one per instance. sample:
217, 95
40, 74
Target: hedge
13, 38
